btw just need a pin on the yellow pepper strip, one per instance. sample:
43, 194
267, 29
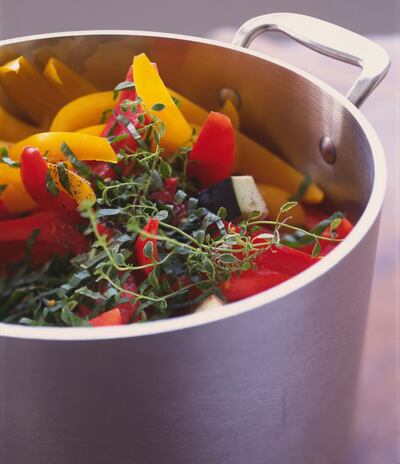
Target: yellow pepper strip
68, 83
192, 112
80, 188
150, 87
275, 198
30, 91
15, 198
13, 129
265, 167
83, 112
93, 130
85, 147
231, 111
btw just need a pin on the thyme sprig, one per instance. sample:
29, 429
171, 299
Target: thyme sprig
197, 250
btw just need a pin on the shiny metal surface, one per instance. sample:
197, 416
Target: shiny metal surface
269, 379
328, 39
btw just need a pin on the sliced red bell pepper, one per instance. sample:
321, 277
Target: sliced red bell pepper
34, 174
249, 283
212, 156
283, 259
343, 230
151, 228
54, 229
111, 317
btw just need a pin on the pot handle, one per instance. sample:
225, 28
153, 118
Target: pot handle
327, 39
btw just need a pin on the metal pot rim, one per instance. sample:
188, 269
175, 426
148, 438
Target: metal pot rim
365, 222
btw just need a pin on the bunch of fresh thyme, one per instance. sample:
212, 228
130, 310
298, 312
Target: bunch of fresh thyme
197, 250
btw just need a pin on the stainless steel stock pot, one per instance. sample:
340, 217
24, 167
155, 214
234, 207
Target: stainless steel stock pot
270, 379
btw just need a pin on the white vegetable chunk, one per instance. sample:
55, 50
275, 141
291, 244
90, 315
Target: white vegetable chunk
211, 302
248, 196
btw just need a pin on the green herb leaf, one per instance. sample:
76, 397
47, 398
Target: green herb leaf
302, 189
148, 249
334, 225
82, 168
125, 85
158, 107
165, 169
288, 206
63, 176
51, 185
72, 320
316, 250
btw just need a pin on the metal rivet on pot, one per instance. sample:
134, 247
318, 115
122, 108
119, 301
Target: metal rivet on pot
327, 150
229, 94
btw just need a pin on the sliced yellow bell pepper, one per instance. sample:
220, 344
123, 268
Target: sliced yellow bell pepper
192, 112
83, 112
266, 167
85, 147
80, 188
231, 111
151, 89
12, 128
30, 91
275, 198
15, 198
93, 130
66, 81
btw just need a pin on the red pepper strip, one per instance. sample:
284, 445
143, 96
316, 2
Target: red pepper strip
34, 175
54, 229
284, 260
111, 317
128, 309
212, 155
151, 228
345, 227
250, 283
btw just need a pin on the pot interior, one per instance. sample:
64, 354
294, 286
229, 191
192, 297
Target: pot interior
280, 108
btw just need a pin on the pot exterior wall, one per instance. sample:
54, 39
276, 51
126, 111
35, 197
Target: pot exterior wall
272, 385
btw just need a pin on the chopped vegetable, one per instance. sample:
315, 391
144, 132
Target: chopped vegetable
212, 156
239, 195
30, 91
156, 98
84, 147
67, 82
123, 214
83, 112
111, 317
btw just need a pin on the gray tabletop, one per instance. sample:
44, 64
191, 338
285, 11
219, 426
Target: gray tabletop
376, 431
